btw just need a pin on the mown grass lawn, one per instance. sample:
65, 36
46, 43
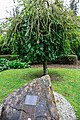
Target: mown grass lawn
64, 81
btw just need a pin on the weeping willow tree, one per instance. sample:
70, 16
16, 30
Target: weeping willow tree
40, 31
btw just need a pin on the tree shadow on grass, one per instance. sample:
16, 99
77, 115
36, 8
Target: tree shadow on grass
32, 75
56, 77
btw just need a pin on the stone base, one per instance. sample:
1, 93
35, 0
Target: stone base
65, 110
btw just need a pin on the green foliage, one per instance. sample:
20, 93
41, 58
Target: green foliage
10, 57
75, 41
39, 31
69, 59
15, 64
42, 30
4, 64
4, 50
1, 39
78, 51
74, 6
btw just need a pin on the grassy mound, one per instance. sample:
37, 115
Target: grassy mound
64, 81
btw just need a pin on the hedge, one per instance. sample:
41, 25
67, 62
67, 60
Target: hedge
10, 57
69, 59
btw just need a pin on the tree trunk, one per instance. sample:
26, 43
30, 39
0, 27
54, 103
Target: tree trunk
45, 69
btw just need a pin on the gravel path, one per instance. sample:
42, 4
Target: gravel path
65, 110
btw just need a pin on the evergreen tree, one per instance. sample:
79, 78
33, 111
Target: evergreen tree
74, 6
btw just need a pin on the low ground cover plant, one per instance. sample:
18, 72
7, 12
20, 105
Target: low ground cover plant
14, 64
4, 64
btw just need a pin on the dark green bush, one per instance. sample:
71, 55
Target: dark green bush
10, 57
31, 62
78, 54
15, 64
69, 59
4, 64
5, 50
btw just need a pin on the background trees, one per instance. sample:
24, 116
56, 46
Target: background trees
74, 6
41, 31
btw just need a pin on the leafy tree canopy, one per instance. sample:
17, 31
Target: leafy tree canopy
41, 31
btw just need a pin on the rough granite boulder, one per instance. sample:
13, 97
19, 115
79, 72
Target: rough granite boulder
34, 101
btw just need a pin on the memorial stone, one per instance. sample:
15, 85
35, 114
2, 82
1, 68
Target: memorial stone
34, 101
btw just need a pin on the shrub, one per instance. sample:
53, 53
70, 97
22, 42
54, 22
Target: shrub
78, 54
31, 62
69, 59
4, 64
15, 64
4, 50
